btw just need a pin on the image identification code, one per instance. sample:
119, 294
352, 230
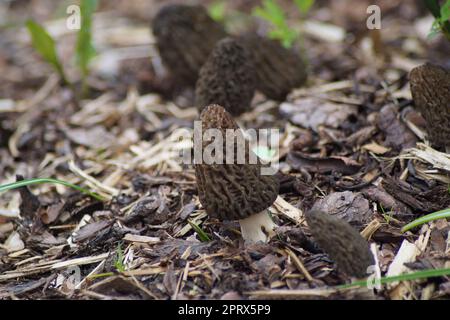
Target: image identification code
226, 309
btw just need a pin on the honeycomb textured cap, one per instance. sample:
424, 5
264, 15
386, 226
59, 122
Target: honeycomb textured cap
279, 70
185, 37
232, 191
227, 78
341, 242
430, 89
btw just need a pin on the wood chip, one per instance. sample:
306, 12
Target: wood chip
141, 239
281, 206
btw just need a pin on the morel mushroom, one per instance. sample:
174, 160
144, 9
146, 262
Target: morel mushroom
341, 242
233, 191
430, 88
227, 78
279, 70
185, 36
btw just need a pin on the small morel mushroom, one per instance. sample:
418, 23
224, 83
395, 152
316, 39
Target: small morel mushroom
430, 88
341, 242
233, 191
279, 70
185, 36
227, 78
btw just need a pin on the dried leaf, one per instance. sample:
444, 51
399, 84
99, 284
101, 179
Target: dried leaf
315, 112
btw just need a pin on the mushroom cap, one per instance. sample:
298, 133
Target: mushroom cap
185, 37
232, 191
227, 78
341, 242
279, 70
430, 89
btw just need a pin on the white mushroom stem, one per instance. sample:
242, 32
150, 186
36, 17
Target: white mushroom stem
258, 227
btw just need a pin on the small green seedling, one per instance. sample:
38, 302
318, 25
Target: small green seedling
217, 10
203, 236
118, 264
45, 44
274, 14
27, 182
386, 215
442, 17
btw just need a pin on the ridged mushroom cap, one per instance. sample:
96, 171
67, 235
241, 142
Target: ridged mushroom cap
227, 78
232, 191
430, 89
341, 242
279, 70
185, 37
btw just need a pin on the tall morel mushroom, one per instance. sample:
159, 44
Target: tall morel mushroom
341, 242
185, 37
430, 88
227, 78
279, 70
233, 191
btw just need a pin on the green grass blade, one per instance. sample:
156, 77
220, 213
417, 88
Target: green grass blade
429, 217
423, 274
27, 182
201, 234
45, 46
85, 50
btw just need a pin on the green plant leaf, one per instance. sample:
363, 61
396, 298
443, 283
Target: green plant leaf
217, 10
435, 29
85, 50
423, 274
45, 46
274, 14
445, 11
27, 182
203, 236
304, 5
265, 15
442, 214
